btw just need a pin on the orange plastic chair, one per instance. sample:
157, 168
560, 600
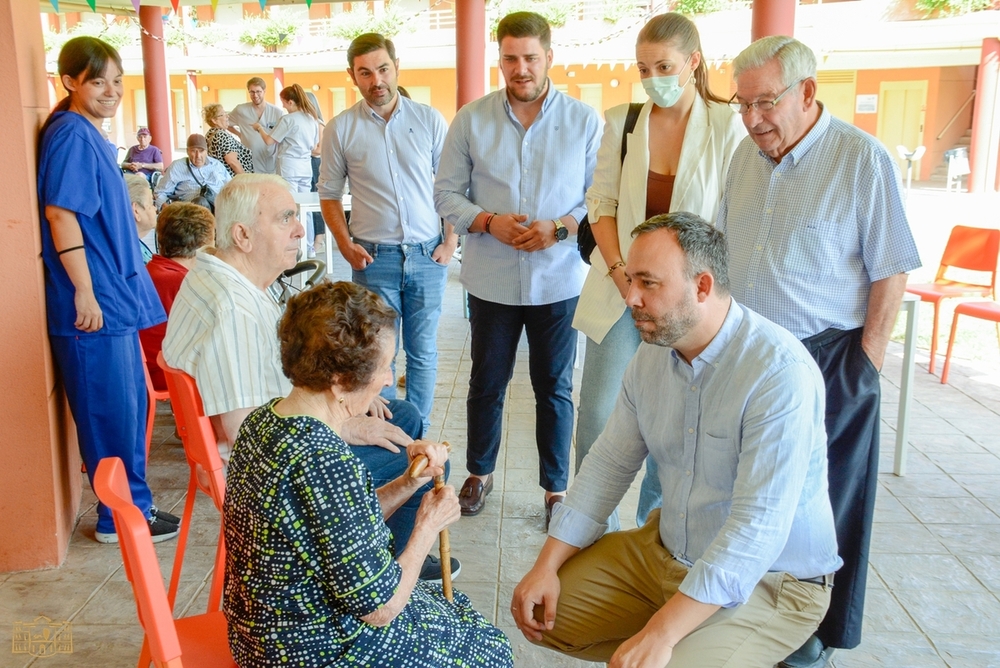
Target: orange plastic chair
153, 395
983, 311
969, 248
190, 642
202, 453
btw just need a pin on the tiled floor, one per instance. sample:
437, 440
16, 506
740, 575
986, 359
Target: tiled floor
934, 586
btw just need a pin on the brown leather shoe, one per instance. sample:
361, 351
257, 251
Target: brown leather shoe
550, 506
472, 498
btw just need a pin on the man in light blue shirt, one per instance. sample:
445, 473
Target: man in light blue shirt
389, 148
184, 179
731, 408
514, 170
820, 245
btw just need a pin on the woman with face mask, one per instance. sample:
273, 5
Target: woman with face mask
678, 155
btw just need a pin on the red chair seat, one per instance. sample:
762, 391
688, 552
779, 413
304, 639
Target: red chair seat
205, 640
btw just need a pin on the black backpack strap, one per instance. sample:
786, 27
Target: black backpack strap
630, 119
198, 181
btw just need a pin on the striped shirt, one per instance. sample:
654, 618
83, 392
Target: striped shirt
809, 235
222, 331
491, 163
391, 165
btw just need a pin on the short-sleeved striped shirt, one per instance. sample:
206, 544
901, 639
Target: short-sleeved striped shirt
223, 331
809, 235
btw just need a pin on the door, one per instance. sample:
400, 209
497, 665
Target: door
901, 110
835, 89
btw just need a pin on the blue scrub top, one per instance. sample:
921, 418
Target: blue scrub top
78, 171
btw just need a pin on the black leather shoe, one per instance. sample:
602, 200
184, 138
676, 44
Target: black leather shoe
472, 498
550, 506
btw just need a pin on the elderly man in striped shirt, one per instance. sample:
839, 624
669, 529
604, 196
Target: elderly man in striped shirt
223, 331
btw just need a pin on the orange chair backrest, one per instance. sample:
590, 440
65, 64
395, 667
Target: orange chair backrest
971, 248
139, 557
195, 428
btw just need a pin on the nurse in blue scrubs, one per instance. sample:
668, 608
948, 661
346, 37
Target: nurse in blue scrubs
98, 292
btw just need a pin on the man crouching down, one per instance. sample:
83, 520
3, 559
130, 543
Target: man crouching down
736, 568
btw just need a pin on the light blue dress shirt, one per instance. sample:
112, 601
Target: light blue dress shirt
178, 184
809, 235
391, 165
491, 163
740, 442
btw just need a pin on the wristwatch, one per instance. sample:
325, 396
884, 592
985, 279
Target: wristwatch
561, 231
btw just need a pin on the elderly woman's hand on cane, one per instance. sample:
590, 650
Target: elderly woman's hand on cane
438, 501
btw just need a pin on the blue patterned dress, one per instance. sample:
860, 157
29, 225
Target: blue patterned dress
308, 555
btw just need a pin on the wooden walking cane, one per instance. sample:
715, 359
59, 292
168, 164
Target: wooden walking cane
417, 467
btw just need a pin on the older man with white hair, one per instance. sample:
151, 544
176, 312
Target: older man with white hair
819, 244
222, 331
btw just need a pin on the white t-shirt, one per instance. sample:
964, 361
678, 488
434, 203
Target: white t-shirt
296, 133
244, 115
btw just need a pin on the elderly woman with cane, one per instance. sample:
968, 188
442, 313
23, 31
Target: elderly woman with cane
310, 575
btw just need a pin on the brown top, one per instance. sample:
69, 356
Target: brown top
659, 190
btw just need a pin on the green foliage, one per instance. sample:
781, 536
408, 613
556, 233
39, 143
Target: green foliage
54, 40
695, 7
556, 12
952, 7
270, 31
616, 10
118, 35
358, 21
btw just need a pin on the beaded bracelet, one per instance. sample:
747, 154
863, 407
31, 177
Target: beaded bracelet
611, 269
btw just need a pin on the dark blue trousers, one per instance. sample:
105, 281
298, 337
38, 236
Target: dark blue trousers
496, 331
852, 417
386, 466
106, 390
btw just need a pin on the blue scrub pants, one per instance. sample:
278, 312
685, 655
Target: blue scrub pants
106, 389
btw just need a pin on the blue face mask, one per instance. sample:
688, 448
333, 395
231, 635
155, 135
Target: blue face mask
665, 91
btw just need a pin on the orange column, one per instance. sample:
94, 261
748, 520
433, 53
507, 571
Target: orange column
154, 77
772, 17
279, 84
470, 50
985, 145
40, 476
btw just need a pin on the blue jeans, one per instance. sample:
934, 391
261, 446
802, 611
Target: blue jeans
496, 330
386, 466
406, 277
603, 369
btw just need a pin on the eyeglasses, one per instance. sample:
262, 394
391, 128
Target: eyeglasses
763, 106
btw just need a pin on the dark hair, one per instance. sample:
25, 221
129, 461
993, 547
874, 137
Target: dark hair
88, 56
525, 24
370, 41
296, 94
182, 228
683, 34
330, 334
703, 244
256, 81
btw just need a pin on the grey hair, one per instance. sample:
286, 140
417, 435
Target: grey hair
703, 244
137, 187
797, 60
238, 201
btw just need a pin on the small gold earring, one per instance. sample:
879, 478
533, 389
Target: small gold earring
341, 400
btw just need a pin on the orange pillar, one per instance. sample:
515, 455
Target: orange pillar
40, 476
985, 145
470, 50
279, 84
154, 77
772, 17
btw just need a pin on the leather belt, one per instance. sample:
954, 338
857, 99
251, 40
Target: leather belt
824, 580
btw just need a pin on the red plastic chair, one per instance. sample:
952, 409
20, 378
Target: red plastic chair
153, 395
202, 453
982, 310
199, 641
969, 248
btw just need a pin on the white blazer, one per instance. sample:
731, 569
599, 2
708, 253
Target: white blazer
619, 190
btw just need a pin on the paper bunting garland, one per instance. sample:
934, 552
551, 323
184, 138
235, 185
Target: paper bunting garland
135, 4
93, 5
175, 4
55, 5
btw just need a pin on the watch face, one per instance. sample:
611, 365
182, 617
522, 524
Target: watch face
561, 233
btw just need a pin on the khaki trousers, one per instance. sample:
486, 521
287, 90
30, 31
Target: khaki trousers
612, 588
